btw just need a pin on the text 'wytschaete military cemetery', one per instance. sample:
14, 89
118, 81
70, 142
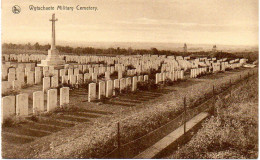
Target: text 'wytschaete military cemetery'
36, 84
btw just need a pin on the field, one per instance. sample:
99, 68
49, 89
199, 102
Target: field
232, 133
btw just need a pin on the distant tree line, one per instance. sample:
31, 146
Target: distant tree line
91, 50
27, 46
121, 51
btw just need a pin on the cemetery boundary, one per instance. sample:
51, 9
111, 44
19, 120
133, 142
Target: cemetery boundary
133, 148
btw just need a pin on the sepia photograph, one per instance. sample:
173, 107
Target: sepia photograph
129, 79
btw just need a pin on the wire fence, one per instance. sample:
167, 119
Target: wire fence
134, 147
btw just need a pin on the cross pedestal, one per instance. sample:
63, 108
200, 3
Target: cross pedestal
53, 58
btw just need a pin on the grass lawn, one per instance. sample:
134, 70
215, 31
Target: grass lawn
232, 133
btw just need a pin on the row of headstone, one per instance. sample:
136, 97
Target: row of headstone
122, 60
16, 84
50, 82
141, 63
108, 88
173, 76
19, 104
195, 72
30, 76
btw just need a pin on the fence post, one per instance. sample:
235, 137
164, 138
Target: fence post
213, 104
230, 86
184, 125
118, 139
248, 76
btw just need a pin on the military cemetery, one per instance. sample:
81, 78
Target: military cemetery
52, 79
57, 104
74, 75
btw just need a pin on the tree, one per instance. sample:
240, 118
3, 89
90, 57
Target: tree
36, 46
130, 50
154, 51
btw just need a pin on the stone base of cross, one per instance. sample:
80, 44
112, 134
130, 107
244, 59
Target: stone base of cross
53, 59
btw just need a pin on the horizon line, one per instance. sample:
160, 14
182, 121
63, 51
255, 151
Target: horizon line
82, 43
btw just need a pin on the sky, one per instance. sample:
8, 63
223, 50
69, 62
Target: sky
229, 22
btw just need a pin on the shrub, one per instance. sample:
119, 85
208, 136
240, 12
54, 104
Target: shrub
130, 66
65, 108
86, 83
26, 86
12, 121
126, 90
51, 75
168, 82
34, 118
147, 85
117, 91
115, 74
86, 71
124, 74
103, 99
5, 79
101, 76
152, 73
11, 93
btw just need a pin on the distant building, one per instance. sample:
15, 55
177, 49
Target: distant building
185, 49
214, 49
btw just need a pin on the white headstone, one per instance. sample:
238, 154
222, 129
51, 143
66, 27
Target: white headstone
62, 72
73, 79
22, 104
157, 78
76, 71
101, 89
6, 86
87, 77
146, 78
116, 86
46, 83
38, 102
70, 71
17, 85
128, 82
140, 78
64, 96
122, 84
94, 77
91, 92
134, 84
51, 99
11, 77
54, 81
20, 77
30, 78
56, 73
107, 75
8, 106
65, 80
38, 77
80, 78
109, 88
120, 74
